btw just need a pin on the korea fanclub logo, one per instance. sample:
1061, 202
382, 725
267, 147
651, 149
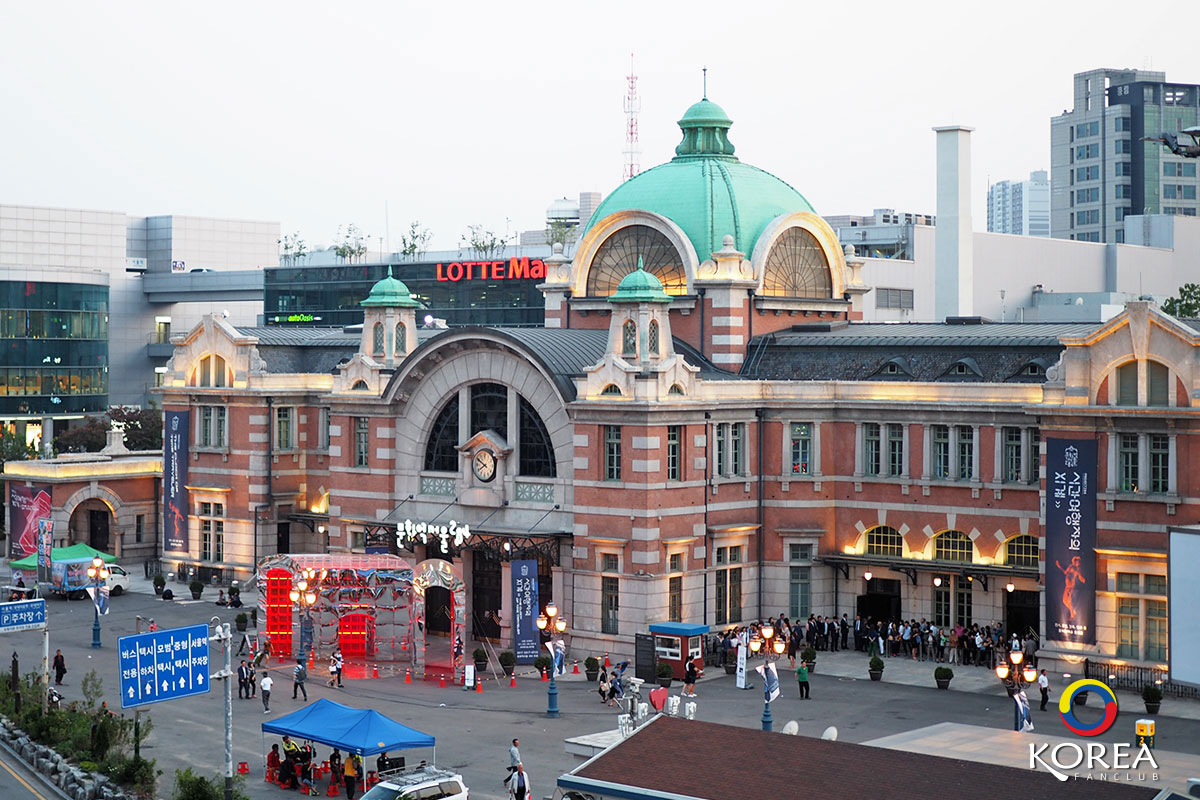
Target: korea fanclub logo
1094, 760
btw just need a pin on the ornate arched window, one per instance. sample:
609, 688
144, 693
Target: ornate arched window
629, 338
884, 541
441, 451
537, 453
489, 408
652, 337
675, 389
619, 254
1021, 551
612, 390
797, 267
377, 339
401, 339
952, 546
359, 386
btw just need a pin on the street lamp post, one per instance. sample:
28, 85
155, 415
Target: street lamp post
304, 597
98, 574
768, 643
550, 619
1015, 680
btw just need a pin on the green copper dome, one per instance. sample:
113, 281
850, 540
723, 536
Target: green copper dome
705, 189
639, 286
390, 292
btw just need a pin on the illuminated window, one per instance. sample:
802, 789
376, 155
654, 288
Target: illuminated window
952, 546
1156, 630
884, 541
801, 448
377, 339
612, 390
629, 338
619, 255
1128, 635
797, 267
1021, 551
211, 372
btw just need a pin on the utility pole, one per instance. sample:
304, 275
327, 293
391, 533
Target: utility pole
224, 635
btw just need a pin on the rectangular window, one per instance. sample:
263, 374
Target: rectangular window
895, 449
940, 468
799, 592
964, 598
1034, 456
1087, 151
966, 453
206, 426
722, 449
610, 605
1091, 195
1127, 455
1123, 147
139, 528
1084, 129
941, 607
737, 448
612, 452
1173, 169
1124, 191
674, 452
1156, 630
1160, 463
675, 562
362, 441
1156, 584
212, 426
735, 594
871, 448
212, 532
801, 448
323, 434
799, 552
283, 428
1128, 636
675, 599
722, 586
1129, 582
1123, 124
729, 586
610, 562
1091, 173
1012, 455
894, 298
1123, 169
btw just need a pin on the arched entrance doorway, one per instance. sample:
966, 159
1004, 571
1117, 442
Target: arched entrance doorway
92, 523
435, 574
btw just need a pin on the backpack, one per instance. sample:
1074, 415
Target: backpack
301, 673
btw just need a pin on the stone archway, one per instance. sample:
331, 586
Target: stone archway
92, 523
435, 573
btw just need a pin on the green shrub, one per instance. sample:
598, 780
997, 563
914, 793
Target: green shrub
1151, 693
242, 618
508, 658
190, 786
542, 663
591, 664
876, 664
942, 673
160, 581
479, 654
664, 670
196, 587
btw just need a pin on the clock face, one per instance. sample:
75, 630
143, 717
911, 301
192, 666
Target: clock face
484, 465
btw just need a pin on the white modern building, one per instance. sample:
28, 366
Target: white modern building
885, 233
1020, 207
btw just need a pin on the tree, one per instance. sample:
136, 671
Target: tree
414, 243
86, 438
293, 248
142, 426
1186, 305
484, 243
560, 231
353, 245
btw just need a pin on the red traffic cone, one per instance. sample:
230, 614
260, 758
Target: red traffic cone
311, 665
606, 661
478, 686
441, 681
545, 677
576, 670
512, 681
375, 671
407, 675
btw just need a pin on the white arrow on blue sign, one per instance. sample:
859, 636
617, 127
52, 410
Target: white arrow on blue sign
22, 615
164, 665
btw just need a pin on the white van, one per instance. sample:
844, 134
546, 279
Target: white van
420, 783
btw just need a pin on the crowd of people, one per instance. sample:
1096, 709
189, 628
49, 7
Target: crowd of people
295, 767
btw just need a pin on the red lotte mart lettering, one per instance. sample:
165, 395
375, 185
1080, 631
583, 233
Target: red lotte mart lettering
513, 269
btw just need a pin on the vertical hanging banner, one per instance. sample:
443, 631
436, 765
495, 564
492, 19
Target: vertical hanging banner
1070, 528
526, 637
175, 466
45, 541
27, 505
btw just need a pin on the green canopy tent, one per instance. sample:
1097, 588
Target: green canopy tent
76, 552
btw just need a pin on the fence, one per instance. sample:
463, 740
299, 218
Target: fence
1126, 676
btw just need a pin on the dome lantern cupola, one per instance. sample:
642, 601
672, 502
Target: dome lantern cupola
640, 329
705, 129
389, 322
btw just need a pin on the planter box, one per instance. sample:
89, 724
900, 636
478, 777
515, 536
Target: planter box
241, 626
1081, 699
943, 683
665, 682
196, 595
731, 669
508, 669
480, 666
875, 674
1152, 708
592, 675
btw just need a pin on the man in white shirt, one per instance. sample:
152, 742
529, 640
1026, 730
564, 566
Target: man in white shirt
265, 685
518, 784
1044, 685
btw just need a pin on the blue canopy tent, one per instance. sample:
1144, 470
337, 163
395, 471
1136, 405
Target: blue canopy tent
351, 730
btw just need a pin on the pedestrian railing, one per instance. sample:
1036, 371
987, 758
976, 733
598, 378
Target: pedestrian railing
1133, 678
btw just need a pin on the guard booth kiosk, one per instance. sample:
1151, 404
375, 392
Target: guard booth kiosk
675, 641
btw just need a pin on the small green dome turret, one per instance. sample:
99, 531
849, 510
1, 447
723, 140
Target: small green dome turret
639, 286
390, 292
705, 129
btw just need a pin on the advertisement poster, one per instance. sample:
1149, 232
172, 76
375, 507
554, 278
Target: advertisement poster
526, 636
175, 466
1071, 540
69, 575
45, 544
741, 667
27, 504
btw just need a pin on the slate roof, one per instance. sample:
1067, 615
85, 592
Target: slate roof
667, 755
936, 334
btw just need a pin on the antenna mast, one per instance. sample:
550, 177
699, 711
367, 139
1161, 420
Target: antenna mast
633, 104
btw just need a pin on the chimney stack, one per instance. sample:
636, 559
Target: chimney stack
954, 276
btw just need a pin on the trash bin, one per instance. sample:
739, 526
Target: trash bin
1145, 733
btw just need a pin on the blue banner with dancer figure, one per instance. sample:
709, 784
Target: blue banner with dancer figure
526, 636
175, 468
1070, 528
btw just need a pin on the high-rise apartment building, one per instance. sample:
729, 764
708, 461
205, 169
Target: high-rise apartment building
1020, 207
1100, 169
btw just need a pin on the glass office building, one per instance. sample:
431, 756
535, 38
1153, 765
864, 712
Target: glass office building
55, 342
459, 290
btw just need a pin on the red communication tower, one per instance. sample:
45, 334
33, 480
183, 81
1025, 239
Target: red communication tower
633, 104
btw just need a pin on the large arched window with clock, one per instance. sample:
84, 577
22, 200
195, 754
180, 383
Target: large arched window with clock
534, 451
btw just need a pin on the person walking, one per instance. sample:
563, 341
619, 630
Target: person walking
60, 667
1044, 686
299, 676
514, 761
252, 680
802, 679
265, 685
243, 676
690, 674
335, 668
519, 787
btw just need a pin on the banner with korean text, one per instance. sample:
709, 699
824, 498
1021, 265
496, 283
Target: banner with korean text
175, 468
1070, 528
526, 636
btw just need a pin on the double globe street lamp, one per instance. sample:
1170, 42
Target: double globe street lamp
767, 641
98, 573
1015, 680
552, 621
304, 597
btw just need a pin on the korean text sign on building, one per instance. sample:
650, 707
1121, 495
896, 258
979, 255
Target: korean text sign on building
1071, 540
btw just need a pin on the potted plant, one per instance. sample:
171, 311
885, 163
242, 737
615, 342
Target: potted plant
479, 655
943, 675
508, 660
809, 655
591, 668
159, 583
197, 588
665, 673
241, 621
1152, 697
542, 664
875, 668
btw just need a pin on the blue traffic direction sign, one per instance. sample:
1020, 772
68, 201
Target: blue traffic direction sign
22, 615
163, 665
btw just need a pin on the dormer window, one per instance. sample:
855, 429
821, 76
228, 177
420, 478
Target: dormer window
612, 390
210, 372
675, 389
1033, 370
964, 368
891, 368
960, 369
359, 386
895, 367
629, 338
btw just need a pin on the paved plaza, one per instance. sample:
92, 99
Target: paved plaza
473, 729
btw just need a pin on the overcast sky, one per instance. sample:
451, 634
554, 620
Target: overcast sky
317, 114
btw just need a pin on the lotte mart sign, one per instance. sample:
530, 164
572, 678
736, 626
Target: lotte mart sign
511, 270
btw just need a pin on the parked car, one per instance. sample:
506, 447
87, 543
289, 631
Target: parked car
421, 783
118, 580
